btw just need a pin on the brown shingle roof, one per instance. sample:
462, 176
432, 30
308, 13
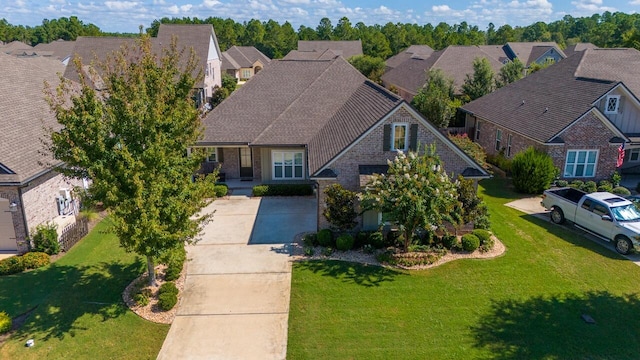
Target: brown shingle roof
237, 57
613, 65
90, 48
424, 50
454, 61
24, 113
324, 104
541, 104
310, 55
572, 49
61, 49
523, 50
13, 46
346, 49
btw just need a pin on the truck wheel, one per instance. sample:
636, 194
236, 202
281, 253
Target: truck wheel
557, 216
623, 245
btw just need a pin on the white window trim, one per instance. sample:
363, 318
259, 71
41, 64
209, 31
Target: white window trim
509, 138
406, 136
293, 172
634, 151
595, 164
606, 104
498, 140
242, 73
210, 151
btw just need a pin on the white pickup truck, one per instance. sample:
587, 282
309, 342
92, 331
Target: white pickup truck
603, 214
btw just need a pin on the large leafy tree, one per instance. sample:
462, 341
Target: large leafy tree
510, 72
436, 100
369, 66
482, 82
130, 139
416, 192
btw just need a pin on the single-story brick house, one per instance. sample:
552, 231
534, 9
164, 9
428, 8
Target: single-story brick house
31, 193
319, 122
579, 111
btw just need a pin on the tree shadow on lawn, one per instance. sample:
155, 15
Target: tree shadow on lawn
63, 294
553, 328
575, 236
349, 272
501, 188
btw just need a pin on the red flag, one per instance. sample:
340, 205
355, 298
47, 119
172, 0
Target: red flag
620, 155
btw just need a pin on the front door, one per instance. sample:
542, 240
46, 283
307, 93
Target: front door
246, 165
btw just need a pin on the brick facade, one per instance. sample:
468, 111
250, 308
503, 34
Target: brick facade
589, 133
37, 205
230, 162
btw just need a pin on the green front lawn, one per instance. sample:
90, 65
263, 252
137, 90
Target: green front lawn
526, 304
79, 312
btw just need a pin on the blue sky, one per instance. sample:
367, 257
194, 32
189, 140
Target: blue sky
127, 15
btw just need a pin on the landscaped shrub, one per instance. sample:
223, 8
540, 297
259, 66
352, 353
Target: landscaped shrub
344, 242
167, 301
532, 171
5, 322
615, 179
362, 239
605, 185
141, 299
220, 190
482, 235
500, 161
472, 208
327, 251
325, 238
340, 209
168, 288
562, 183
577, 184
376, 239
283, 190
34, 260
482, 222
487, 245
590, 187
310, 240
449, 241
470, 242
308, 251
45, 239
368, 249
12, 265
175, 263
621, 190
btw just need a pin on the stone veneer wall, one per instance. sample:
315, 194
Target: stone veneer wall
11, 193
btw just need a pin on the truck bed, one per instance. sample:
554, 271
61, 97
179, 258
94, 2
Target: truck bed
568, 193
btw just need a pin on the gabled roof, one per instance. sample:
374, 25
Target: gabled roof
61, 49
346, 48
197, 37
324, 104
523, 50
454, 61
424, 50
495, 51
572, 49
619, 64
542, 104
311, 55
13, 46
237, 57
23, 115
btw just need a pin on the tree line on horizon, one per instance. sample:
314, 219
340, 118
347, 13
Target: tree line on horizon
275, 40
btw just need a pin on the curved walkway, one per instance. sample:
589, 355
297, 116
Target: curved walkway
236, 299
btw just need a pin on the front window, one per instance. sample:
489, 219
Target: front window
634, 155
626, 213
287, 165
212, 154
246, 73
498, 139
508, 145
612, 104
581, 163
400, 137
477, 130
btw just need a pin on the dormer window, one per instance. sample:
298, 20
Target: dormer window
612, 104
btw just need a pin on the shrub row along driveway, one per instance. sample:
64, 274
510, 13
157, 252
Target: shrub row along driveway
236, 299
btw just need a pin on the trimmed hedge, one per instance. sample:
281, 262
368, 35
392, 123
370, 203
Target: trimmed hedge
482, 235
470, 242
345, 242
5, 322
45, 239
621, 190
167, 301
325, 238
168, 288
34, 260
283, 190
12, 265
220, 190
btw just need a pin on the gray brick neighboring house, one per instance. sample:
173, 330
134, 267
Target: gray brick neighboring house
29, 190
579, 111
320, 122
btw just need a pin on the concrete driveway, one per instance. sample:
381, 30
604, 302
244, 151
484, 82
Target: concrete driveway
236, 299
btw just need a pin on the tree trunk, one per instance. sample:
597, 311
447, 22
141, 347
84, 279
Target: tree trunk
152, 271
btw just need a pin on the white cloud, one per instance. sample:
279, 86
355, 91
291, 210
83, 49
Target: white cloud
634, 2
295, 2
440, 8
383, 10
121, 5
588, 7
210, 3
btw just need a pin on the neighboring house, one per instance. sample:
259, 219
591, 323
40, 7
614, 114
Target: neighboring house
344, 48
572, 49
579, 111
59, 49
456, 62
421, 50
534, 52
30, 193
14, 46
242, 62
201, 38
320, 122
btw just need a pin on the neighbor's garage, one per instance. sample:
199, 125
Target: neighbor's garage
7, 232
